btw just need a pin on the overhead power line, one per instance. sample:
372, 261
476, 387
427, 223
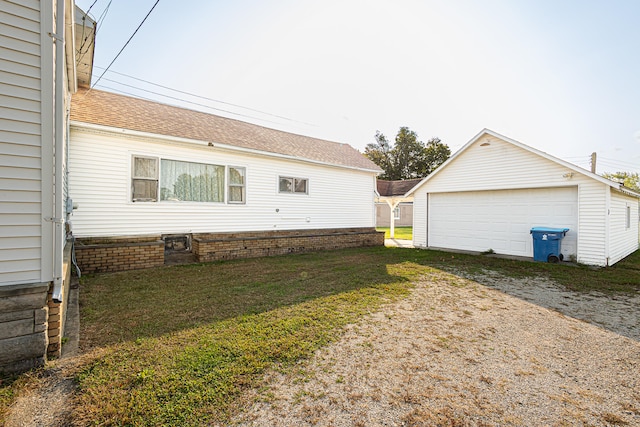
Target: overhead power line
125, 45
198, 96
177, 99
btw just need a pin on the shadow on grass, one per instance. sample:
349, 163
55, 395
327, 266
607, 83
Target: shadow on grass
180, 344
125, 306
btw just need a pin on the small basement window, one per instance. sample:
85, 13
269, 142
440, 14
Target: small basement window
293, 185
144, 179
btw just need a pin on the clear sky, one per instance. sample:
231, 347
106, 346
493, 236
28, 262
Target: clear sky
562, 76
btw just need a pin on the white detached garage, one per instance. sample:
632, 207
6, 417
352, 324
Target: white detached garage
491, 193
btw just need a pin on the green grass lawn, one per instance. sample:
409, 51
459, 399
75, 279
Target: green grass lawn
179, 345
404, 233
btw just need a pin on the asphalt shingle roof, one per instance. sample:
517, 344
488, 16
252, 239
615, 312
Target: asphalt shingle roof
396, 188
125, 112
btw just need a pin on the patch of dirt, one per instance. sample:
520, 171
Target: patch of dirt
619, 313
459, 353
51, 403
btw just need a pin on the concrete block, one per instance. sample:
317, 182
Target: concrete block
16, 328
16, 315
22, 301
27, 347
40, 315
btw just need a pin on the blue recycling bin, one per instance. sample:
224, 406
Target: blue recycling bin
547, 243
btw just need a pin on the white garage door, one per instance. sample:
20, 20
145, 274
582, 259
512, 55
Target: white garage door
501, 220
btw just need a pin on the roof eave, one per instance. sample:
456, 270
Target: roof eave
213, 144
547, 156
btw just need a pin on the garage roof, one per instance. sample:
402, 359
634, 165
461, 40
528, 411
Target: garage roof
487, 132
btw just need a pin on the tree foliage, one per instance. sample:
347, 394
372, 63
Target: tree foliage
409, 157
628, 179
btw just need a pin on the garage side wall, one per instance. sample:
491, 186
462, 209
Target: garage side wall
623, 230
592, 223
491, 163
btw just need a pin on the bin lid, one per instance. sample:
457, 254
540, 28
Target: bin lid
548, 230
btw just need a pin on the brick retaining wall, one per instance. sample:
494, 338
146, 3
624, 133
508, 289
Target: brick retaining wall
99, 255
119, 253
219, 246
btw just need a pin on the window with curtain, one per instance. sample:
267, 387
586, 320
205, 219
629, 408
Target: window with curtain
236, 185
191, 182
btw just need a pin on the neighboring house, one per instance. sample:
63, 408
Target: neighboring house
146, 173
38, 72
491, 192
402, 214
392, 201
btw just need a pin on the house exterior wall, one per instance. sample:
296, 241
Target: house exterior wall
23, 79
501, 165
383, 214
624, 240
101, 186
27, 179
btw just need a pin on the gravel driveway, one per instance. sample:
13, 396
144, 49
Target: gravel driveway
460, 353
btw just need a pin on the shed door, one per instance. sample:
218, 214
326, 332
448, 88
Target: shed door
501, 220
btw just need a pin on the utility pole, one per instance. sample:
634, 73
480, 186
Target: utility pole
593, 162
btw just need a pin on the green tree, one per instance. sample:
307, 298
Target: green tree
628, 179
409, 157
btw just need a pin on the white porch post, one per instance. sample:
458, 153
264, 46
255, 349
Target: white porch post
393, 203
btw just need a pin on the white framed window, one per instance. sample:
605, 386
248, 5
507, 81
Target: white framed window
396, 212
155, 179
191, 182
236, 185
293, 185
144, 179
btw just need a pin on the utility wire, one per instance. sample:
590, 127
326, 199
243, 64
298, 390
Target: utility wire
181, 100
92, 4
125, 45
98, 25
203, 97
628, 164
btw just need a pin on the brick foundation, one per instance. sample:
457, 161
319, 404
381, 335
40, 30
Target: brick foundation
133, 252
119, 253
219, 246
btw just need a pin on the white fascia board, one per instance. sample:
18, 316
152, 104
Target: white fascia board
227, 147
485, 131
70, 44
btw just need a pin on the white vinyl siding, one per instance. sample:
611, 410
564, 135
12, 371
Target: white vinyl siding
623, 240
100, 185
593, 217
501, 165
21, 115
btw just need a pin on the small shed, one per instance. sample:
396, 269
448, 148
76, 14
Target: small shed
491, 192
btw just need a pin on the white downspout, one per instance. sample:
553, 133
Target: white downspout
58, 220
